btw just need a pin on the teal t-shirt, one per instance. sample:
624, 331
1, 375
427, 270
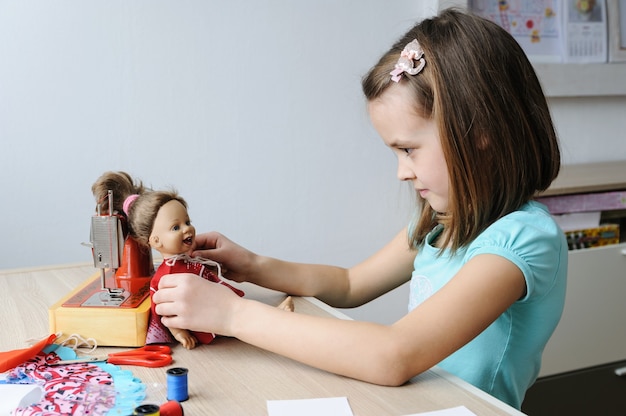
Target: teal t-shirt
504, 360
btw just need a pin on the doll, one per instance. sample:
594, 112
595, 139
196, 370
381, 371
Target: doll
159, 219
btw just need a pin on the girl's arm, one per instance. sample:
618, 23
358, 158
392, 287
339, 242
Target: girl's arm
339, 287
389, 355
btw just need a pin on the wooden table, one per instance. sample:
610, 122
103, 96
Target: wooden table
229, 377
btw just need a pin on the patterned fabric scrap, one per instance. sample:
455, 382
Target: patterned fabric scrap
77, 389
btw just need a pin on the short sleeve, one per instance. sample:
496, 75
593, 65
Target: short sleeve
531, 240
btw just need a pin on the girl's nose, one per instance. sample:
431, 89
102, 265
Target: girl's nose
405, 173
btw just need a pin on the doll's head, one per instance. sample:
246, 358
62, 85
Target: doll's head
140, 205
160, 219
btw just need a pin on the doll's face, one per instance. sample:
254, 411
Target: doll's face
172, 233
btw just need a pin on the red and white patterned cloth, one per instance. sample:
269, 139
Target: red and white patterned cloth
75, 389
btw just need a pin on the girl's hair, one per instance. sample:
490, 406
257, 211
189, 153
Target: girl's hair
142, 212
492, 116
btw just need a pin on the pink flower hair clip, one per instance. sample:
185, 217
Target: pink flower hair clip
406, 63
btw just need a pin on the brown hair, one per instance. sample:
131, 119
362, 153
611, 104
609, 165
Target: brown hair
142, 212
492, 116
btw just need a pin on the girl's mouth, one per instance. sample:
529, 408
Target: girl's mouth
188, 241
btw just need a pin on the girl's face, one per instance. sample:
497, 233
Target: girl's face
172, 232
415, 141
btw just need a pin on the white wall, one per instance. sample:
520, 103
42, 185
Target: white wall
252, 110
591, 129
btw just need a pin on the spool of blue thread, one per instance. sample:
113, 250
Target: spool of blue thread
177, 384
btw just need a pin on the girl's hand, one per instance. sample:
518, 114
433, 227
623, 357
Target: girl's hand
189, 301
237, 262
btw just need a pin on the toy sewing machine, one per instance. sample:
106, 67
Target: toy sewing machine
113, 305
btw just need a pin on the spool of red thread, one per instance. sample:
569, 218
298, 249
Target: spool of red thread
171, 408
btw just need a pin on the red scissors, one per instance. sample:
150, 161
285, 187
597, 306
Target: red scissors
148, 356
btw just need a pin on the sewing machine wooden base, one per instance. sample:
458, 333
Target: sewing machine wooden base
109, 326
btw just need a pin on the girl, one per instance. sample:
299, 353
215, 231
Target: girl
460, 105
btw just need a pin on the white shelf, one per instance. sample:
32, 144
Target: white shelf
582, 80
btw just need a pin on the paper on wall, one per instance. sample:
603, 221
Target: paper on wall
585, 31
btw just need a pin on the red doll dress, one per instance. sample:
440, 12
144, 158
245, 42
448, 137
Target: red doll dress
157, 332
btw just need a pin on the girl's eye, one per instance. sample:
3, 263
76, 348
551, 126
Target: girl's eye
406, 150
175, 228
188, 222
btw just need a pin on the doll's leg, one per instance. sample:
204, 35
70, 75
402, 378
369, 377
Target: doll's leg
184, 337
287, 304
